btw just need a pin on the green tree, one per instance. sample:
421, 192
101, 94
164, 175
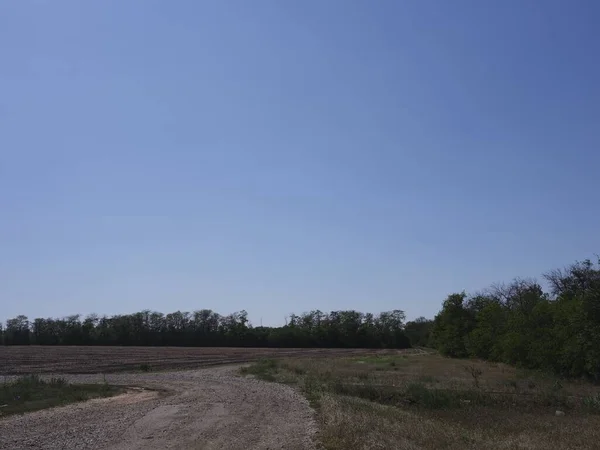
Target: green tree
490, 324
452, 325
418, 331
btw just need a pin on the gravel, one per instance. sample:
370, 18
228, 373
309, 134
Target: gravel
201, 409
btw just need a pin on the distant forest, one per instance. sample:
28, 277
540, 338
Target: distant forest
206, 328
517, 323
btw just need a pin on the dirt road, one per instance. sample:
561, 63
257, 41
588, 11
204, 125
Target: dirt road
210, 408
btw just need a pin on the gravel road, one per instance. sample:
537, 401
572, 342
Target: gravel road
202, 409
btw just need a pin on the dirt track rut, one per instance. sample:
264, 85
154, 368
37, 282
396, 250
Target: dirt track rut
210, 408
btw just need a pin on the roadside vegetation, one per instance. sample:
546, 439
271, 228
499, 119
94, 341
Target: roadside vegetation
419, 399
31, 393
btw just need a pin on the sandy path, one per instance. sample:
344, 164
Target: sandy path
201, 409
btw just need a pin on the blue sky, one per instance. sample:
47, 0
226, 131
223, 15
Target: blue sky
284, 156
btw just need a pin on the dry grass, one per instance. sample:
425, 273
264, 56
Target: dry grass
425, 401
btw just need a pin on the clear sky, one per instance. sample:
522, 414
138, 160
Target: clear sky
280, 156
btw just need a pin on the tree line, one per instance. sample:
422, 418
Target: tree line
337, 329
519, 323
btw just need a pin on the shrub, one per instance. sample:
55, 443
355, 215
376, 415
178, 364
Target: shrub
592, 403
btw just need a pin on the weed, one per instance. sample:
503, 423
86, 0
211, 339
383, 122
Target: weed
475, 372
57, 381
145, 367
557, 386
592, 403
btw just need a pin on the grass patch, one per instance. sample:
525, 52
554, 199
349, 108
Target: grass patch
437, 398
265, 369
389, 360
427, 379
31, 393
414, 394
592, 403
425, 401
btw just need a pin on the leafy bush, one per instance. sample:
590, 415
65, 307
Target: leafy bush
520, 324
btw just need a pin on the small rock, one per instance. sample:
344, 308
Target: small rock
559, 413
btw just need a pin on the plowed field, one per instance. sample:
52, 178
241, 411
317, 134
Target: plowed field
63, 359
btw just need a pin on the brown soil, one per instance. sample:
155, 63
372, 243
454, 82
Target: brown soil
16, 360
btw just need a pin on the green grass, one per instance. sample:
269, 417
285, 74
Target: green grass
265, 369
31, 393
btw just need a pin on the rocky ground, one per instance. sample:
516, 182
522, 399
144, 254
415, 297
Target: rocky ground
210, 408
